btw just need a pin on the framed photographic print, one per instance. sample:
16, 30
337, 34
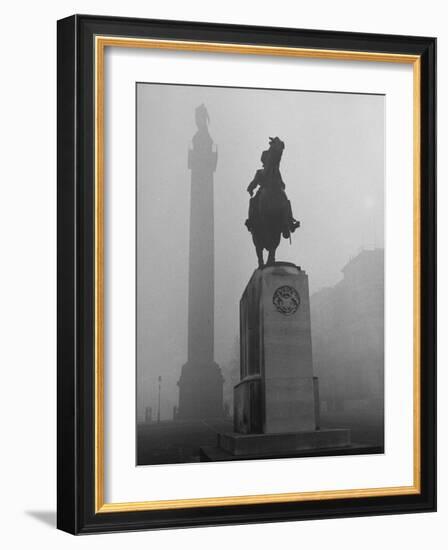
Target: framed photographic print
246, 274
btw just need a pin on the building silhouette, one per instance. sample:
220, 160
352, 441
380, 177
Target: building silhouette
201, 381
348, 342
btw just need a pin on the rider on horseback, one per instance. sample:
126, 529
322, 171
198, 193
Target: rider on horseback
270, 175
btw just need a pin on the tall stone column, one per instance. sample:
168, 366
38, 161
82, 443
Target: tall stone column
201, 381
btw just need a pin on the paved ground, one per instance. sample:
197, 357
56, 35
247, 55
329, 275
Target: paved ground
173, 442
364, 429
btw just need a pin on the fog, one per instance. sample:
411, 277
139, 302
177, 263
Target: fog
333, 167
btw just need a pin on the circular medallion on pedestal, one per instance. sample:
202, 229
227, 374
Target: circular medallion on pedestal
286, 299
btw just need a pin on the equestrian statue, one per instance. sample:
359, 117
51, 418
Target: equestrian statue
270, 213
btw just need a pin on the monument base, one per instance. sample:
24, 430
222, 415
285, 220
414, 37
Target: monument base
200, 391
283, 443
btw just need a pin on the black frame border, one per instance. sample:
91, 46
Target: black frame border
75, 272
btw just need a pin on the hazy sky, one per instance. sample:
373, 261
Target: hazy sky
333, 167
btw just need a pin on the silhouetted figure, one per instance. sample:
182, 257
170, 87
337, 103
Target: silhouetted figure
270, 213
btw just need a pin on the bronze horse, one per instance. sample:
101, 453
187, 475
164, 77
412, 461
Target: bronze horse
270, 213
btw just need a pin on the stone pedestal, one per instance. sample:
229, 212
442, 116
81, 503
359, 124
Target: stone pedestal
276, 403
283, 443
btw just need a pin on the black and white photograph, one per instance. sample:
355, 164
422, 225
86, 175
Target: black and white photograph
260, 223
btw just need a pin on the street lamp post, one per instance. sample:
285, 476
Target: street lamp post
158, 408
